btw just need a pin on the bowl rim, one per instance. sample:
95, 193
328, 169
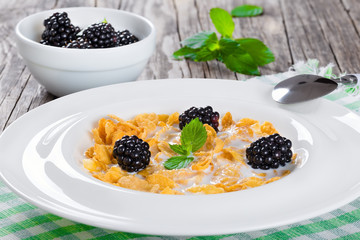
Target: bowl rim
31, 42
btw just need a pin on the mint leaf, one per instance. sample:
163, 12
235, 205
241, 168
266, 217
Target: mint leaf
193, 134
198, 54
222, 21
212, 43
206, 48
228, 46
178, 162
259, 52
180, 149
200, 39
241, 63
205, 54
246, 11
236, 58
186, 52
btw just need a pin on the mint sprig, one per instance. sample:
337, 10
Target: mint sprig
193, 137
242, 55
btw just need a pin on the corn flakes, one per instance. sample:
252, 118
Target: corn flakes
227, 121
206, 189
134, 183
161, 180
168, 190
218, 167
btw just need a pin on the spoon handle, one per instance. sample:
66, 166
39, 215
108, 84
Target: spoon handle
350, 79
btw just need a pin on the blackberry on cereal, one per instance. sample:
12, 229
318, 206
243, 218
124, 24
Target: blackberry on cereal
205, 115
132, 153
269, 152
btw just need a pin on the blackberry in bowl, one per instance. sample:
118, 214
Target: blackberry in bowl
59, 31
101, 35
125, 37
65, 70
79, 43
269, 152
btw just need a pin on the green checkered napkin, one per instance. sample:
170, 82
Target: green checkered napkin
21, 220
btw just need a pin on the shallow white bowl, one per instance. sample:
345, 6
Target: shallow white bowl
63, 71
43, 163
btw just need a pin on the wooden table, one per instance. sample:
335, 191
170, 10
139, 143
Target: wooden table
328, 30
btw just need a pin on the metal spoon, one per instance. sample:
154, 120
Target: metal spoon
308, 87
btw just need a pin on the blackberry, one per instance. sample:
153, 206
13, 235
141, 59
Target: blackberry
205, 115
58, 30
269, 152
100, 35
79, 43
132, 153
125, 37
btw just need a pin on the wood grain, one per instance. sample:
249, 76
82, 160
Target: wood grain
14, 77
294, 30
305, 33
353, 10
340, 33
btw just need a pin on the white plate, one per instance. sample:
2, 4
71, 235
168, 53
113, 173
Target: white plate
41, 156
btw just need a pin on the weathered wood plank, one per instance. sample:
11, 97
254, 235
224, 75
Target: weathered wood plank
340, 33
306, 35
188, 25
74, 3
352, 7
32, 96
12, 84
162, 15
326, 33
13, 74
116, 4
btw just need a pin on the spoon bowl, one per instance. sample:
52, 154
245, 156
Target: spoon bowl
307, 87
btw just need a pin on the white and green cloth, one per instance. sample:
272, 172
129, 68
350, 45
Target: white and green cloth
22, 220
